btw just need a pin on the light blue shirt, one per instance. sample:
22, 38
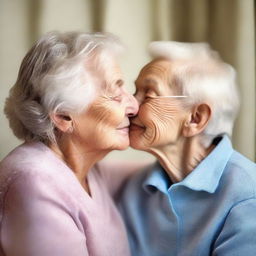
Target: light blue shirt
211, 212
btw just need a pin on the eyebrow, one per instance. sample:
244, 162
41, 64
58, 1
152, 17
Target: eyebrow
150, 83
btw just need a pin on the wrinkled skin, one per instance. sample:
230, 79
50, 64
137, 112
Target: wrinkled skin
159, 120
99, 129
166, 127
105, 124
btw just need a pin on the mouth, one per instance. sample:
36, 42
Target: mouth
124, 129
136, 127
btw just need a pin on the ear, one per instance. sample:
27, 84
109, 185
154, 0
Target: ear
197, 121
63, 122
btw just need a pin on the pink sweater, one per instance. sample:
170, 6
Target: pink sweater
44, 211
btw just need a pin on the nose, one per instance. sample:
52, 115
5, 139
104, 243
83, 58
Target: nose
132, 106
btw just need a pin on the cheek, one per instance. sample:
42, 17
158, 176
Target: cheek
106, 115
97, 126
161, 119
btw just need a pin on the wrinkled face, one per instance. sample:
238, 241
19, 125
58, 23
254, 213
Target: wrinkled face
105, 124
159, 120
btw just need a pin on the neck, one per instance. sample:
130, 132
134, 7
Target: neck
181, 158
79, 157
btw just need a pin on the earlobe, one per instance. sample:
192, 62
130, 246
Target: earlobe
198, 120
62, 122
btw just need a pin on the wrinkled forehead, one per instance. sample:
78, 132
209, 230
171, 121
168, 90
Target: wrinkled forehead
154, 72
157, 67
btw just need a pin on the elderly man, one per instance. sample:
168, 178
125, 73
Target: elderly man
199, 197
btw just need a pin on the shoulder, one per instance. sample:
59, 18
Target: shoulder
27, 187
28, 156
32, 171
238, 234
32, 187
240, 177
238, 161
32, 158
33, 193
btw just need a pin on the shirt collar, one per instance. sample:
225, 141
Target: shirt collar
205, 177
156, 179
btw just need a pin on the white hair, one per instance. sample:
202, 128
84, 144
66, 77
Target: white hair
203, 77
58, 75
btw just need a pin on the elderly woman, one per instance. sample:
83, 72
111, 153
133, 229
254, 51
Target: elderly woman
199, 198
70, 107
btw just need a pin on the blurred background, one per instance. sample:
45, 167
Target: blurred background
228, 25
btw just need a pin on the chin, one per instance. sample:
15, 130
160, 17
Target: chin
122, 144
121, 147
137, 141
137, 144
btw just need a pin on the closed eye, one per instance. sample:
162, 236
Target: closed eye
150, 94
148, 97
116, 97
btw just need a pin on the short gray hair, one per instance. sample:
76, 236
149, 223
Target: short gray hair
57, 75
203, 77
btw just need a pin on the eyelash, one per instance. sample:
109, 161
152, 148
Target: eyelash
150, 95
145, 98
116, 98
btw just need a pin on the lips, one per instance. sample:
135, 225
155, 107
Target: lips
123, 127
136, 127
126, 128
123, 130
